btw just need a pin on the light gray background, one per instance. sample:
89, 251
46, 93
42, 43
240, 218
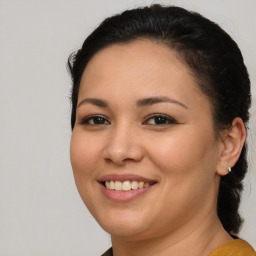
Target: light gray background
41, 213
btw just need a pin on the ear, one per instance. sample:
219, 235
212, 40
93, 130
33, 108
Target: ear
232, 142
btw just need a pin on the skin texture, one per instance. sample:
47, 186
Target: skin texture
184, 157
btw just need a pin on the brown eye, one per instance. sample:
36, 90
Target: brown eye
159, 119
95, 120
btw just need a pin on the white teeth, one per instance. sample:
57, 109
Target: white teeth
126, 185
107, 184
146, 185
118, 185
135, 184
141, 184
112, 184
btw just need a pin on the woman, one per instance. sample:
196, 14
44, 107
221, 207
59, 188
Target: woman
160, 105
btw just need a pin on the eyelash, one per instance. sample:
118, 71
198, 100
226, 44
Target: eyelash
87, 120
164, 120
168, 120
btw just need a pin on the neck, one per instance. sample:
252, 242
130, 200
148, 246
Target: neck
197, 240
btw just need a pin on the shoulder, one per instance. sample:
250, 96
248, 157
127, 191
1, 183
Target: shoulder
237, 247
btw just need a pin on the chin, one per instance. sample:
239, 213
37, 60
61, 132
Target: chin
128, 233
128, 227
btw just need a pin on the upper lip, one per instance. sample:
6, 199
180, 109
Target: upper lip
125, 177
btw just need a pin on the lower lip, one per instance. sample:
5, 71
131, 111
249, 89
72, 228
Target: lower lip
124, 196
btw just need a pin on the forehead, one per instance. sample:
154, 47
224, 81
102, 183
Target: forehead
134, 58
142, 51
142, 67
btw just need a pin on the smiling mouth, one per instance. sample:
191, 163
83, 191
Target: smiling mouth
126, 185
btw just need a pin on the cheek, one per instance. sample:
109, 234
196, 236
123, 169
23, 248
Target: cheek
184, 153
82, 153
187, 167
172, 151
84, 158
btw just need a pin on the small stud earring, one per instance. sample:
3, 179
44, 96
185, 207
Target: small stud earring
229, 169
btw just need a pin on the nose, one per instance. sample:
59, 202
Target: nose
123, 145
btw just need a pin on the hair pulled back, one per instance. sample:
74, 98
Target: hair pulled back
215, 61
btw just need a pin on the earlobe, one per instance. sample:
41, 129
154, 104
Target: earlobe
232, 143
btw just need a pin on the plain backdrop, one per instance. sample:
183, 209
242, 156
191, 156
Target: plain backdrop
41, 213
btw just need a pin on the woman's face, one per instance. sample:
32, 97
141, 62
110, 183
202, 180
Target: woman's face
144, 130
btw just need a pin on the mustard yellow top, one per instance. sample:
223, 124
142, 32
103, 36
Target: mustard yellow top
236, 247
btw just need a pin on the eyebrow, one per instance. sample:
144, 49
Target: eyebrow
93, 101
140, 103
156, 100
